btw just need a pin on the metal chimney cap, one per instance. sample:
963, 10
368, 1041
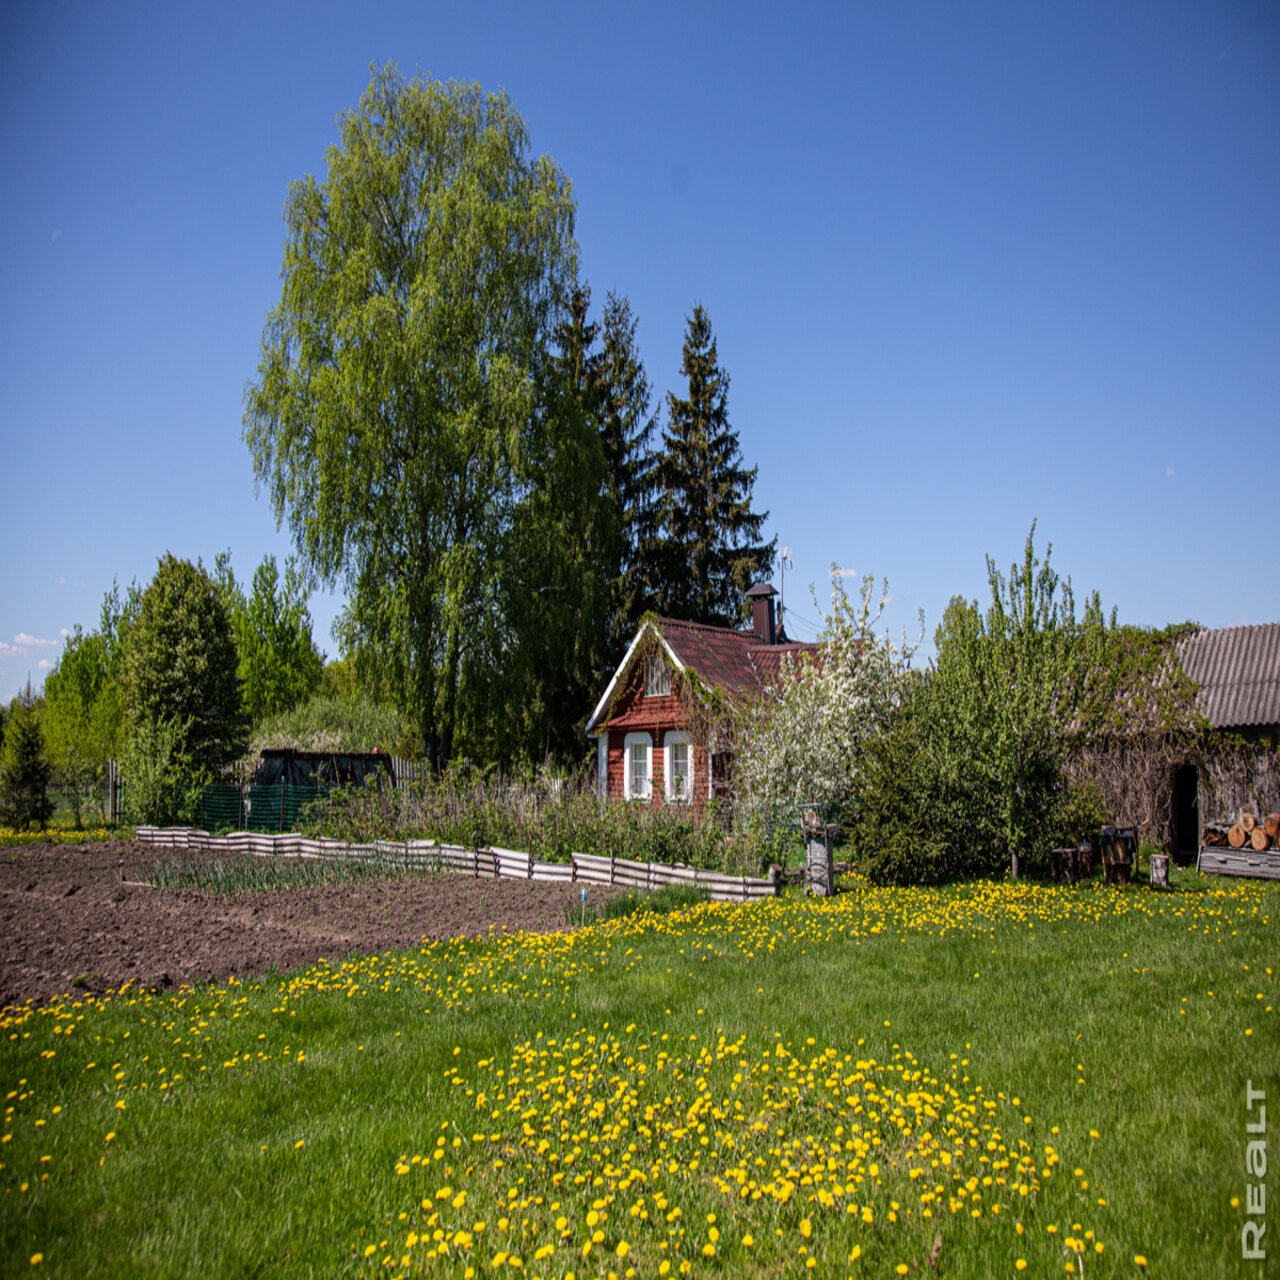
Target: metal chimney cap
761, 589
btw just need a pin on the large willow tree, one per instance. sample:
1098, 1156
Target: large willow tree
394, 419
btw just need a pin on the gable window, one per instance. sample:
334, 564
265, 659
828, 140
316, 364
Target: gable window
677, 766
637, 776
657, 677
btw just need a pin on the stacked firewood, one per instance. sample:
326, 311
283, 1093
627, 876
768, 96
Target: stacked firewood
1248, 830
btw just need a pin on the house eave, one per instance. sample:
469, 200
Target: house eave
647, 625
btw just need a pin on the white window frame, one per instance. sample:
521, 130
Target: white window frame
637, 740
602, 765
657, 677
677, 737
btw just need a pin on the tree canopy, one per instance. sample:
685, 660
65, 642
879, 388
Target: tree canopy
279, 664
180, 679
394, 419
707, 550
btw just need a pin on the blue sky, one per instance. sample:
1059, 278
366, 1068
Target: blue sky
967, 265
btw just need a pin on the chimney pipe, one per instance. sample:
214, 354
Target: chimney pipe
763, 622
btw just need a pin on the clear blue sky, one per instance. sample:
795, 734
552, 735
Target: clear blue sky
967, 265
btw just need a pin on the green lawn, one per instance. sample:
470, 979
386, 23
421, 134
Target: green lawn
966, 1077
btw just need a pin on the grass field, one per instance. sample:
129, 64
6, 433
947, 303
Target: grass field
979, 1081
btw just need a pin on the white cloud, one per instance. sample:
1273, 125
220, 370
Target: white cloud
9, 651
64, 633
55, 235
33, 642
44, 665
1168, 471
845, 573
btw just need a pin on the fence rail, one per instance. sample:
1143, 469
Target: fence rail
431, 855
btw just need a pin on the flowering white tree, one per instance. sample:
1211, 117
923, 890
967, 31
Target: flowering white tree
804, 740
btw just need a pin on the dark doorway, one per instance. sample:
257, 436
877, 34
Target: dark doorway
1186, 812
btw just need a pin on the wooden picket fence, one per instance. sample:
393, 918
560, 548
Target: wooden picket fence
431, 855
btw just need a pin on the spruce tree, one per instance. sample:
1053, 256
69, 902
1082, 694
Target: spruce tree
626, 429
24, 768
708, 549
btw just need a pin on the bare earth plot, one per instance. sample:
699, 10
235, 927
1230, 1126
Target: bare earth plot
67, 923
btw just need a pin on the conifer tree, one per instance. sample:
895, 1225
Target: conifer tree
24, 768
626, 429
544, 662
708, 549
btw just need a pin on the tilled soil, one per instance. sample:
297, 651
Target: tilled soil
68, 923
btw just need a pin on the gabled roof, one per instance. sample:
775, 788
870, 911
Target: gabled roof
734, 661
1238, 671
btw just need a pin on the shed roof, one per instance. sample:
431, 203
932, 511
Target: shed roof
1238, 671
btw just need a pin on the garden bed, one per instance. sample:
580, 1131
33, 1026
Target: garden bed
68, 923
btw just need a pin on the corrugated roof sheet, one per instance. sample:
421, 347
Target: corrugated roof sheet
1238, 671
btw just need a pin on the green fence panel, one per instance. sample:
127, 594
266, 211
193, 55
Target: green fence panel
279, 808
221, 808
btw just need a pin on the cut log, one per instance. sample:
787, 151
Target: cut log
1272, 825
1248, 821
1258, 839
1237, 836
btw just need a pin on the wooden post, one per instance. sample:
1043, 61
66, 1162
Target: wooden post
1159, 870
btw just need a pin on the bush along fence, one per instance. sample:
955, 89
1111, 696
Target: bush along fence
433, 856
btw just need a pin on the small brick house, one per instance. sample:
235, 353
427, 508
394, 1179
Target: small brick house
646, 748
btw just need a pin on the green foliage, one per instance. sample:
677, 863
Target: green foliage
545, 642
626, 906
971, 771
395, 419
707, 551
83, 715
161, 786
182, 694
24, 768
626, 428
1080, 814
238, 875
279, 665
1005, 689
329, 723
900, 835
544, 816
804, 741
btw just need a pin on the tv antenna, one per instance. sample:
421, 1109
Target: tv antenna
784, 563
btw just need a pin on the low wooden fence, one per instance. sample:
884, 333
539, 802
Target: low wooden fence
431, 855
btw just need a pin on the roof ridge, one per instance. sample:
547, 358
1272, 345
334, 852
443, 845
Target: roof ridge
705, 626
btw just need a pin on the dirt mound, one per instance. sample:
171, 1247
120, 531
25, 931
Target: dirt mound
68, 923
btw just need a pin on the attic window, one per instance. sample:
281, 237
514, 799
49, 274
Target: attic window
657, 677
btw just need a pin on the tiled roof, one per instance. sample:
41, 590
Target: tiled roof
1238, 671
735, 661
